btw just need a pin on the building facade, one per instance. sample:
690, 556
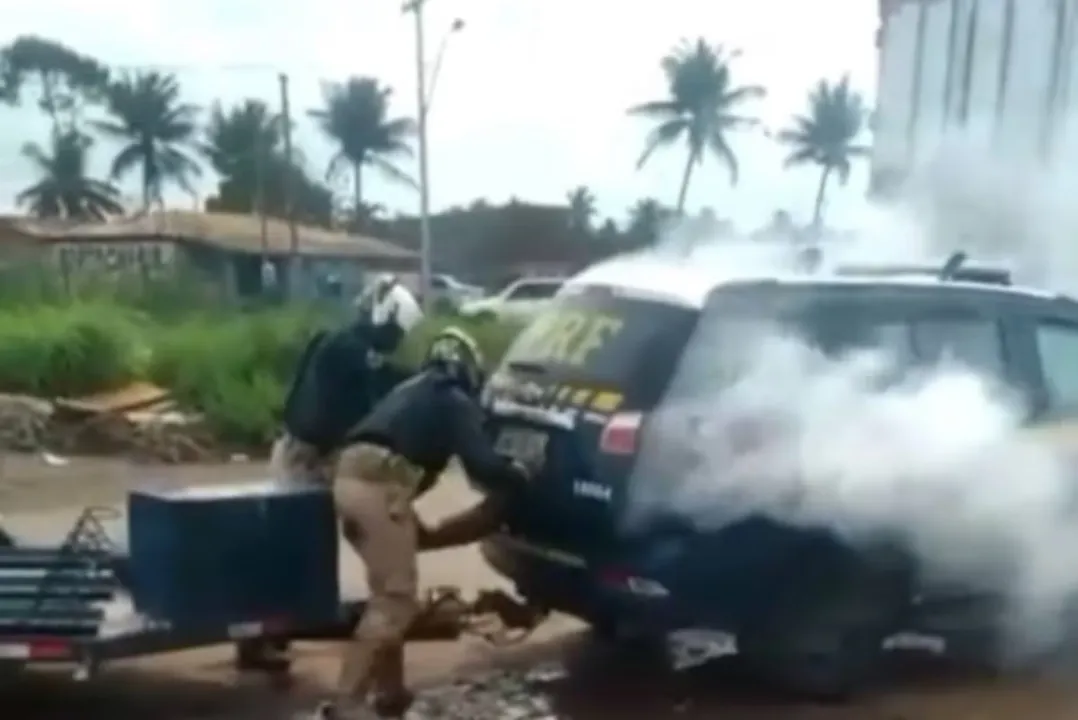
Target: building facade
238, 255
999, 74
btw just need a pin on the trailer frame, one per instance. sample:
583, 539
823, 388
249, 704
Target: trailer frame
57, 593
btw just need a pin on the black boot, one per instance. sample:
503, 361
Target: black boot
394, 705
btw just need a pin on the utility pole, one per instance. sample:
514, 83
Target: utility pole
267, 275
289, 192
425, 249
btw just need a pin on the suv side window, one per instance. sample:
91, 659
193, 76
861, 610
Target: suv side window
1057, 345
975, 342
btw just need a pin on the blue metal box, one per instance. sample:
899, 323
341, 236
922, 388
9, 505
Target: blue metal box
222, 555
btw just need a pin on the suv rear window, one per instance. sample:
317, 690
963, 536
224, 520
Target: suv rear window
915, 330
604, 340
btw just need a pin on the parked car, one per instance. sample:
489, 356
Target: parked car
521, 298
804, 607
448, 289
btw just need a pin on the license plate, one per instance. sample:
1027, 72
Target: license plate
525, 445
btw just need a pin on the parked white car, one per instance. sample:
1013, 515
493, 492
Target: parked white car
521, 298
447, 287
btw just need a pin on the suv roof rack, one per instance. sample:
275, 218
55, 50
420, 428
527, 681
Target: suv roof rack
952, 270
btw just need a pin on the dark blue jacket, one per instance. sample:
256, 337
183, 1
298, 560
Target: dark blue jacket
429, 419
333, 388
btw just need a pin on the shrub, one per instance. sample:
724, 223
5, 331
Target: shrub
65, 350
31, 285
234, 370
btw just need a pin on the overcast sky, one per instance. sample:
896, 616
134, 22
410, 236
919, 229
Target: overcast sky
531, 99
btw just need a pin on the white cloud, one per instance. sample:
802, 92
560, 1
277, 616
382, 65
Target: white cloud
532, 96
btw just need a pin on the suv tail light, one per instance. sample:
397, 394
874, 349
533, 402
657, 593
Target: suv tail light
619, 437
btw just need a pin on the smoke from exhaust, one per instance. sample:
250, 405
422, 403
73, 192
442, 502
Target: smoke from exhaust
937, 458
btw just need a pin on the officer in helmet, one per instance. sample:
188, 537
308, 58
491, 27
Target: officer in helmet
394, 456
337, 380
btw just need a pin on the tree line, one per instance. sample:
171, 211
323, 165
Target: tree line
164, 141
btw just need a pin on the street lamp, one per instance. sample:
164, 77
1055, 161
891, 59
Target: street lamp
423, 100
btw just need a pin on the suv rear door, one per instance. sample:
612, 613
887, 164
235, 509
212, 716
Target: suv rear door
568, 400
917, 325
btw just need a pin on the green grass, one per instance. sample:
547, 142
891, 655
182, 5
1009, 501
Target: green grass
233, 367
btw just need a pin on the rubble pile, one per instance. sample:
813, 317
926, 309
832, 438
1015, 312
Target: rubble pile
140, 421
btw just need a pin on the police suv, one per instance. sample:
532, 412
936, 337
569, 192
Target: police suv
574, 395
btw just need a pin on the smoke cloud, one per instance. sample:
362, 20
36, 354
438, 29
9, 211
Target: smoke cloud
937, 458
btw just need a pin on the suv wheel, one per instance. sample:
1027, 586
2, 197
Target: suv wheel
628, 647
828, 647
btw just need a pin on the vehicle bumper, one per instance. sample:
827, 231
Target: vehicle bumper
570, 584
725, 580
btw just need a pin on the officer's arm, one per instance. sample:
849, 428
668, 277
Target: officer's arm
464, 527
473, 447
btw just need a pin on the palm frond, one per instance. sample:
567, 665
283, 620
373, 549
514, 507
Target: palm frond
393, 172
661, 109
717, 143
663, 135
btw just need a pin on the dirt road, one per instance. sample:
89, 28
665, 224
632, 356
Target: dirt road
557, 674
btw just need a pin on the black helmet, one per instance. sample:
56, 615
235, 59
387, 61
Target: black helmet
458, 355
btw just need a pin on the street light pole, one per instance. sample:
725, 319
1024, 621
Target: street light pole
423, 100
416, 8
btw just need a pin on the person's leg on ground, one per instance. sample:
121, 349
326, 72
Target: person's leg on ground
385, 538
392, 698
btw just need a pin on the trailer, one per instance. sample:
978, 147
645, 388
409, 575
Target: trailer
75, 604
72, 604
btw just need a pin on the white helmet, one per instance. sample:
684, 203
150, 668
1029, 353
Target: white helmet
388, 300
391, 311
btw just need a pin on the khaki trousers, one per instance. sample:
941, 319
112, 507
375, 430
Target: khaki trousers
373, 495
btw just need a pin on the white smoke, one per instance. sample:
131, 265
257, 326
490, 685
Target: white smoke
939, 459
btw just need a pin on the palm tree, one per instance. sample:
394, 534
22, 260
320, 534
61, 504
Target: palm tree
356, 119
243, 145
646, 219
581, 209
240, 139
157, 126
701, 108
65, 80
362, 219
64, 191
827, 135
